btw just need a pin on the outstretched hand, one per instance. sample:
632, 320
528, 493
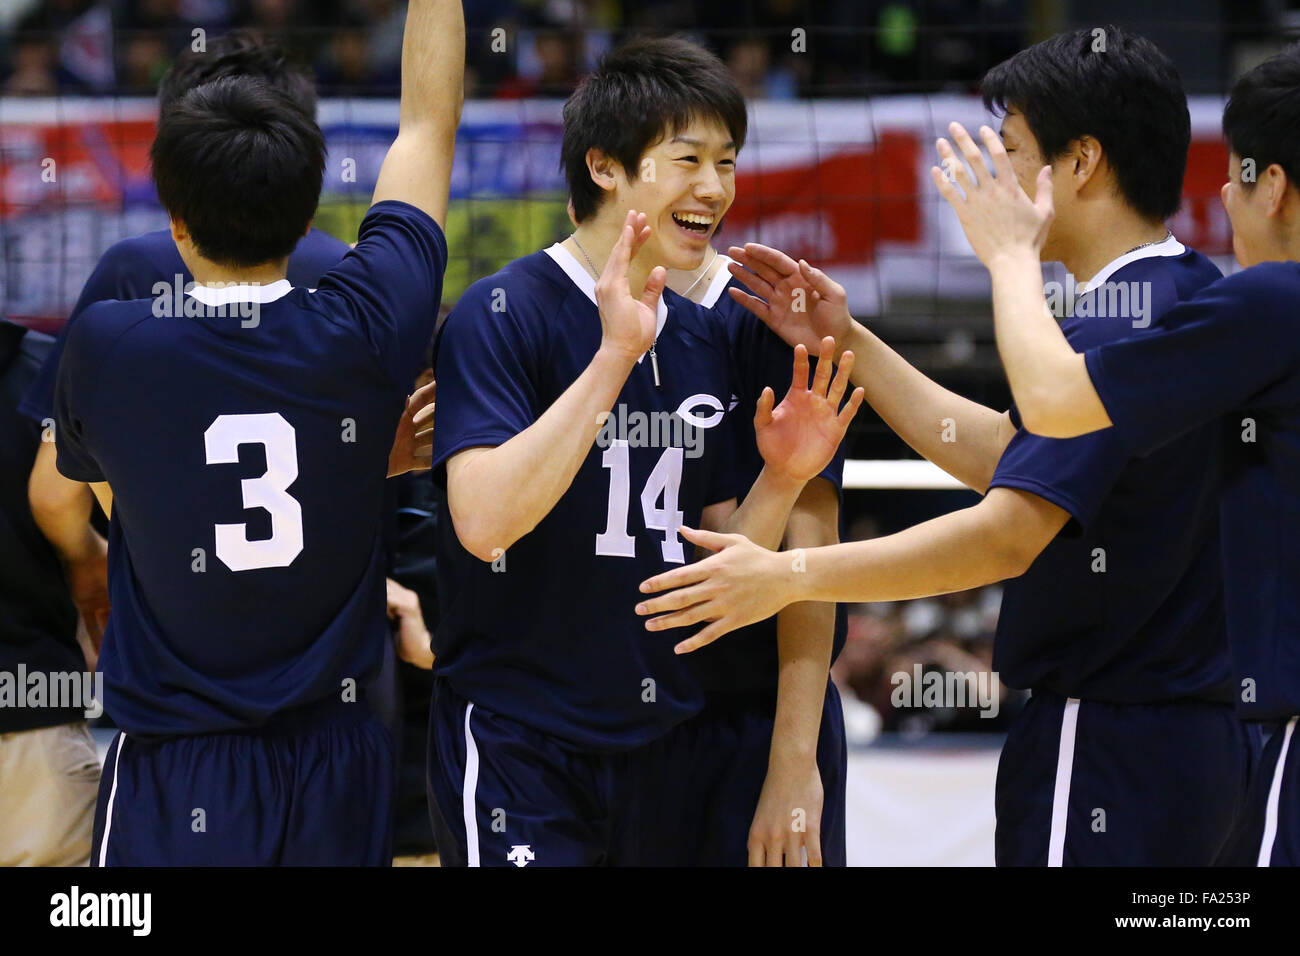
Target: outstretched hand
628, 323
799, 437
803, 305
995, 212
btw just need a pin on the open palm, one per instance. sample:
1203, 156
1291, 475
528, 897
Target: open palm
799, 437
803, 305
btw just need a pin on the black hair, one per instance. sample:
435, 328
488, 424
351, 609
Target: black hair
1262, 118
241, 166
639, 93
239, 53
1110, 84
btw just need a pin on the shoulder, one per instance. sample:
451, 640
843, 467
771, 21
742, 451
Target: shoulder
533, 285
101, 325
152, 252
319, 247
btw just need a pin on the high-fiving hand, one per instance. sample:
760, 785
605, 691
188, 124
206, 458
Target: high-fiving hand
995, 213
803, 305
627, 323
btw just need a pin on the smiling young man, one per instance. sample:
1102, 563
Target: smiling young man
582, 421
1229, 357
1114, 618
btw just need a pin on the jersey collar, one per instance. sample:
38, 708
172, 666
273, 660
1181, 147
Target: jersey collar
584, 281
242, 292
719, 282
1169, 246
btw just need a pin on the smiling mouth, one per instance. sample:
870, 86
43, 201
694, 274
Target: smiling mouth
694, 223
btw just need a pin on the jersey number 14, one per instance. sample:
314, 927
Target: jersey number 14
664, 482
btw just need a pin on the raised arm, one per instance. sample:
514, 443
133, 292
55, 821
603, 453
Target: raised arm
497, 495
962, 437
1006, 229
417, 169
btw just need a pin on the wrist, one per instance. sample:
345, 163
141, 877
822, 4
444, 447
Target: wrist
616, 357
1012, 257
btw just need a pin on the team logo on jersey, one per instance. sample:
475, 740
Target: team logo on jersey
521, 855
680, 429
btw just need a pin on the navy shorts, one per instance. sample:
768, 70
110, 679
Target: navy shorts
1086, 783
1269, 834
724, 753
312, 788
504, 794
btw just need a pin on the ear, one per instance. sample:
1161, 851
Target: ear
604, 169
1088, 159
1276, 186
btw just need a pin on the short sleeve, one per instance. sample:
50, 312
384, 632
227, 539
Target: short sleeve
1212, 353
74, 383
391, 285
485, 363
1075, 474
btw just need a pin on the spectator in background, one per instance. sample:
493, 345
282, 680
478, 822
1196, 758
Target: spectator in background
547, 56
33, 72
48, 760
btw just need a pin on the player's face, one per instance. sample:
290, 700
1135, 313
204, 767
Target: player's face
685, 185
1027, 159
1247, 222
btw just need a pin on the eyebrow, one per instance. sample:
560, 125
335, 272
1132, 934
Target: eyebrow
730, 144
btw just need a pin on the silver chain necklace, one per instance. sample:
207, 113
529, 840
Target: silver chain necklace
1153, 242
654, 359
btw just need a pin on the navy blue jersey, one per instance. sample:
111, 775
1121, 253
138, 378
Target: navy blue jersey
547, 634
1126, 604
746, 663
130, 269
247, 457
1231, 354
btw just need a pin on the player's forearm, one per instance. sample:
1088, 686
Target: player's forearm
962, 437
433, 66
805, 635
61, 508
1048, 378
954, 552
501, 494
762, 516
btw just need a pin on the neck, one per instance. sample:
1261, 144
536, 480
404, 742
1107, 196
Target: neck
695, 283
210, 273
1103, 238
596, 237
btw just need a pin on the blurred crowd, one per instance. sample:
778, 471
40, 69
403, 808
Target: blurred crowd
520, 48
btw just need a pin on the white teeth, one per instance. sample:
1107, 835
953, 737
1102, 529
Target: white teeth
695, 218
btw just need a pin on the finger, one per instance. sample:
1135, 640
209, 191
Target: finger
954, 169
793, 850
763, 414
840, 384
946, 189
970, 152
756, 854
422, 396
752, 303
823, 285
620, 256
425, 415
813, 844
775, 855
799, 374
676, 578
1043, 193
998, 153
695, 614
705, 637
757, 269
654, 287
772, 260
670, 601
825, 362
848, 411
713, 540
751, 279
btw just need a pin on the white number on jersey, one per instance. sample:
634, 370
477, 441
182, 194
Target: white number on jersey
664, 482
273, 433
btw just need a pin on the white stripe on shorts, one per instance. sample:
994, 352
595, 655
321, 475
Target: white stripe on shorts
1061, 794
112, 796
469, 791
1274, 798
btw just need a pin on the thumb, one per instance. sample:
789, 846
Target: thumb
707, 539
654, 287
763, 414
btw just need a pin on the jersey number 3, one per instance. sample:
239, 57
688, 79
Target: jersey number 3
276, 436
665, 481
